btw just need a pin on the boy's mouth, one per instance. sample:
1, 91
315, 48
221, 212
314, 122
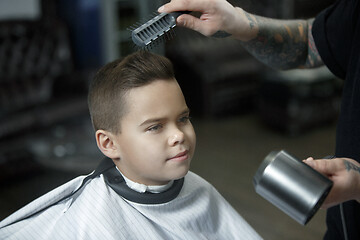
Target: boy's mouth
180, 156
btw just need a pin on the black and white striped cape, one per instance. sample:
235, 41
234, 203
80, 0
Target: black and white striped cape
101, 206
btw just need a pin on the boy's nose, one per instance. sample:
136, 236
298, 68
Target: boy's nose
176, 138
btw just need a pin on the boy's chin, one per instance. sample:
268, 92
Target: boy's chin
181, 174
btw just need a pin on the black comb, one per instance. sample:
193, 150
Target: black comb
155, 29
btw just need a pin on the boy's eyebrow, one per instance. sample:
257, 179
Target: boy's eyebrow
186, 111
152, 120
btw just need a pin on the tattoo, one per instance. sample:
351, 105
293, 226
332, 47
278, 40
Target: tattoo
251, 21
350, 166
313, 59
279, 44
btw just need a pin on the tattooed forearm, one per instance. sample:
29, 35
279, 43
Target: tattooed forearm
313, 59
279, 44
350, 166
251, 21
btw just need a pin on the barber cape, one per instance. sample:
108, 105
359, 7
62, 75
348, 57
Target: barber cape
102, 206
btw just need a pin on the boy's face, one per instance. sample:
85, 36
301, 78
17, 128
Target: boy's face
157, 139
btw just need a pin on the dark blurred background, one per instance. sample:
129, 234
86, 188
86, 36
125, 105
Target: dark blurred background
50, 49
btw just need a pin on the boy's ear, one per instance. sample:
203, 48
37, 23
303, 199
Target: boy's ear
107, 145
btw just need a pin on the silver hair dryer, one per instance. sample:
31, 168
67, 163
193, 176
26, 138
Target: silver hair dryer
291, 185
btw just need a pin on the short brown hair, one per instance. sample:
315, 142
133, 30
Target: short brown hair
107, 91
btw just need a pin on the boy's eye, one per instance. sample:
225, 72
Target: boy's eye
184, 119
154, 128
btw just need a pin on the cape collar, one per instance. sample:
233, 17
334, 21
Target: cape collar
114, 180
145, 188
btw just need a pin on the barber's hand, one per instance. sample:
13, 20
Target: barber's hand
345, 173
216, 15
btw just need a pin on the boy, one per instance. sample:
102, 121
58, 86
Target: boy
143, 189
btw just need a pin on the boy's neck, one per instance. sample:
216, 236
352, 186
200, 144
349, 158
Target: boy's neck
139, 187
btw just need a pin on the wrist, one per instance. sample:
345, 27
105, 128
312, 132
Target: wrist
242, 25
